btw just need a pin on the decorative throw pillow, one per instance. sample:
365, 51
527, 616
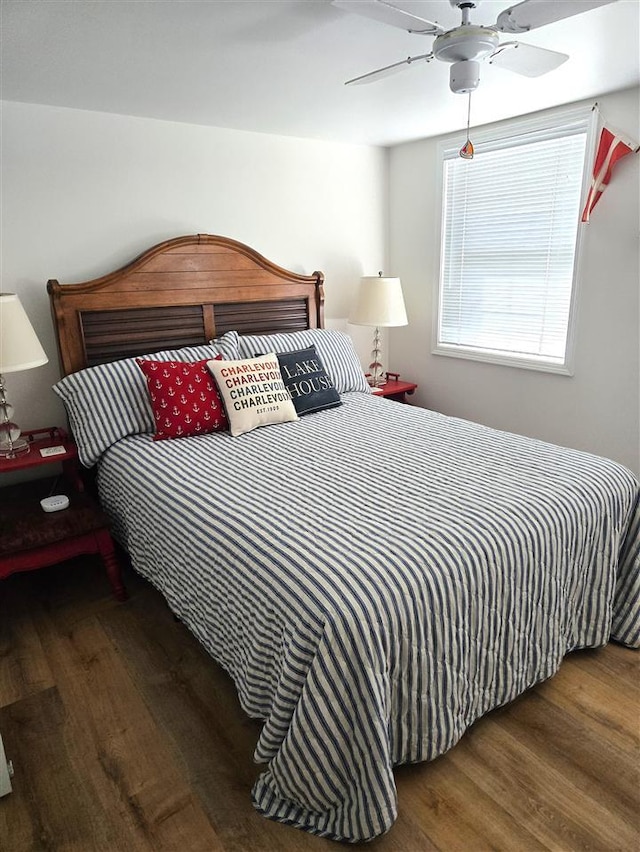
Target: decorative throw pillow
184, 398
253, 392
307, 381
334, 347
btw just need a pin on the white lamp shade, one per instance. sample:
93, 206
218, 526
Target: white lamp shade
20, 349
380, 303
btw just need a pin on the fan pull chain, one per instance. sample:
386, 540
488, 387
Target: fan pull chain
466, 152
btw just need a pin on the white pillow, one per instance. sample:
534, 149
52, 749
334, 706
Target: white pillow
253, 393
335, 348
110, 401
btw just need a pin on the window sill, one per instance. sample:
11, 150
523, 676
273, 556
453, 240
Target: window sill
489, 357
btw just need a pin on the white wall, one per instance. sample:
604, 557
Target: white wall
84, 193
598, 409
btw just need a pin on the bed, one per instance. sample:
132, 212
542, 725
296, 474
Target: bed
367, 618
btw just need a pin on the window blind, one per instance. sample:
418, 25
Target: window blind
509, 229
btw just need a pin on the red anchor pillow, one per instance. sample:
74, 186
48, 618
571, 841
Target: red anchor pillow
184, 398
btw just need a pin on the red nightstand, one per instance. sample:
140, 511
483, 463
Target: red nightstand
395, 389
32, 538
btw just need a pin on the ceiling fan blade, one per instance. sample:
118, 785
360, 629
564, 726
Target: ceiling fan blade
379, 73
526, 59
531, 14
389, 13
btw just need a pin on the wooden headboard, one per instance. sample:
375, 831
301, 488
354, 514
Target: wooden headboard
182, 292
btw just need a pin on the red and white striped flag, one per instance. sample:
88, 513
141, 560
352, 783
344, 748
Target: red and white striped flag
611, 149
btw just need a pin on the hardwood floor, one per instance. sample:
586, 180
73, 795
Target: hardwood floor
126, 736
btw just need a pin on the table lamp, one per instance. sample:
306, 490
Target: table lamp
20, 349
379, 304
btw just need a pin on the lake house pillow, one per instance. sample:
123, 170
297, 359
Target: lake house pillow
253, 393
307, 381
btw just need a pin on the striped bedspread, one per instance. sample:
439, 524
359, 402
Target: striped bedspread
374, 578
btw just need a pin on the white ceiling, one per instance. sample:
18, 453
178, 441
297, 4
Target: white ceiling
278, 66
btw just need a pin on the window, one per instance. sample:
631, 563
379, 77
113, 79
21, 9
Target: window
508, 247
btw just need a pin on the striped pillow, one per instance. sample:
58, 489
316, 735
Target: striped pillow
335, 349
110, 401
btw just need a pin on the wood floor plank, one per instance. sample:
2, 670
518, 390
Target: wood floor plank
456, 813
55, 808
595, 704
617, 659
601, 771
554, 810
24, 669
616, 666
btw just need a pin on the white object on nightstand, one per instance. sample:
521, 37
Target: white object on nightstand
52, 451
55, 503
6, 772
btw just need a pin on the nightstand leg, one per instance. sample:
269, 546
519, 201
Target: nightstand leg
111, 563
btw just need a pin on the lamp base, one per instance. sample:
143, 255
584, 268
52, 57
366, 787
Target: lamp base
9, 450
376, 378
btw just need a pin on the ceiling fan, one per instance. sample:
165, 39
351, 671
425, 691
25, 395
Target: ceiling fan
469, 44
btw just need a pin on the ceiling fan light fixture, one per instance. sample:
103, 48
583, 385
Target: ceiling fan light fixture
464, 76
465, 43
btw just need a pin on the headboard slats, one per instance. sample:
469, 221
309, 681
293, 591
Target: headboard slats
262, 317
110, 335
